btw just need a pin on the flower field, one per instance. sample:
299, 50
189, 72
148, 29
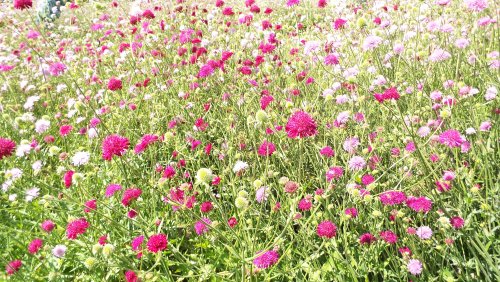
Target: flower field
233, 140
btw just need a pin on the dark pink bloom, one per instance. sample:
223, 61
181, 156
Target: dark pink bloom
266, 149
130, 195
206, 207
76, 227
421, 204
35, 246
111, 189
352, 212
334, 172
114, 145
130, 276
157, 243
391, 198
232, 222
13, 266
457, 222
144, 143
266, 259
114, 84
326, 229
137, 242
327, 152
301, 125
305, 204
367, 238
48, 225
68, 178
23, 4
169, 172
388, 236
451, 138
90, 205
201, 226
7, 146
65, 130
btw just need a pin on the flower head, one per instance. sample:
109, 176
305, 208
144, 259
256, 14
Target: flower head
326, 229
76, 227
266, 259
157, 243
414, 266
7, 147
114, 145
301, 125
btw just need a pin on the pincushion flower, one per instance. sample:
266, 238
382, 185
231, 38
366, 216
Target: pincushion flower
414, 266
35, 246
76, 227
114, 84
201, 226
451, 138
157, 243
59, 251
13, 267
266, 259
326, 229
424, 232
130, 195
301, 125
7, 147
23, 4
457, 222
266, 149
80, 158
114, 145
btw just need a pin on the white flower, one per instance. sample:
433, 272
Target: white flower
42, 125
32, 193
80, 158
240, 166
23, 150
59, 250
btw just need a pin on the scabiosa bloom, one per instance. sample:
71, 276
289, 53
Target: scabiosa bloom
157, 243
130, 195
131, 276
391, 198
114, 145
76, 227
48, 225
266, 259
291, 187
232, 222
334, 172
457, 222
350, 145
351, 212
266, 149
59, 251
476, 5
56, 69
424, 232
371, 42
367, 239
206, 207
169, 172
111, 189
439, 55
80, 158
146, 140
301, 125
68, 178
327, 152
305, 204
137, 242
326, 229
23, 4
290, 3
451, 138
13, 266
7, 147
206, 70
414, 266
388, 236
90, 205
114, 84
421, 204
201, 226
35, 246
261, 194
357, 163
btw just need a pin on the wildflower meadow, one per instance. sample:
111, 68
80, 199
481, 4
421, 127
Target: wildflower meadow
249, 140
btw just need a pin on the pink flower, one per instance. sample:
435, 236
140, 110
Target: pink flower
414, 266
457, 222
265, 101
114, 145
201, 226
111, 189
327, 152
76, 227
305, 204
300, 125
391, 198
351, 212
56, 69
130, 276
68, 178
388, 236
137, 242
169, 172
232, 222
476, 5
205, 70
48, 225
334, 172
23, 4
367, 238
114, 84
266, 259
339, 23
424, 232
326, 229
7, 146
206, 207
65, 130
451, 138
357, 163
266, 149
290, 3
420, 204
157, 243
13, 266
130, 195
146, 140
35, 246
